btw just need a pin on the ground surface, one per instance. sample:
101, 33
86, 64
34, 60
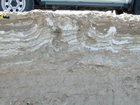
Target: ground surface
69, 58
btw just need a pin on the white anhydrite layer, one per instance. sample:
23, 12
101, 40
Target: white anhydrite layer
72, 32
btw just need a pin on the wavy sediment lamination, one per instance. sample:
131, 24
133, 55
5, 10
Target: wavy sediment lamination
69, 58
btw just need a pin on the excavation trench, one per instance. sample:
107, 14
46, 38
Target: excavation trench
69, 58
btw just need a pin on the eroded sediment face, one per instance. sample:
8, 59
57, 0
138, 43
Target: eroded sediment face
69, 58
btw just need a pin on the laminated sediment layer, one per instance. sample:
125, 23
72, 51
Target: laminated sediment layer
69, 58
